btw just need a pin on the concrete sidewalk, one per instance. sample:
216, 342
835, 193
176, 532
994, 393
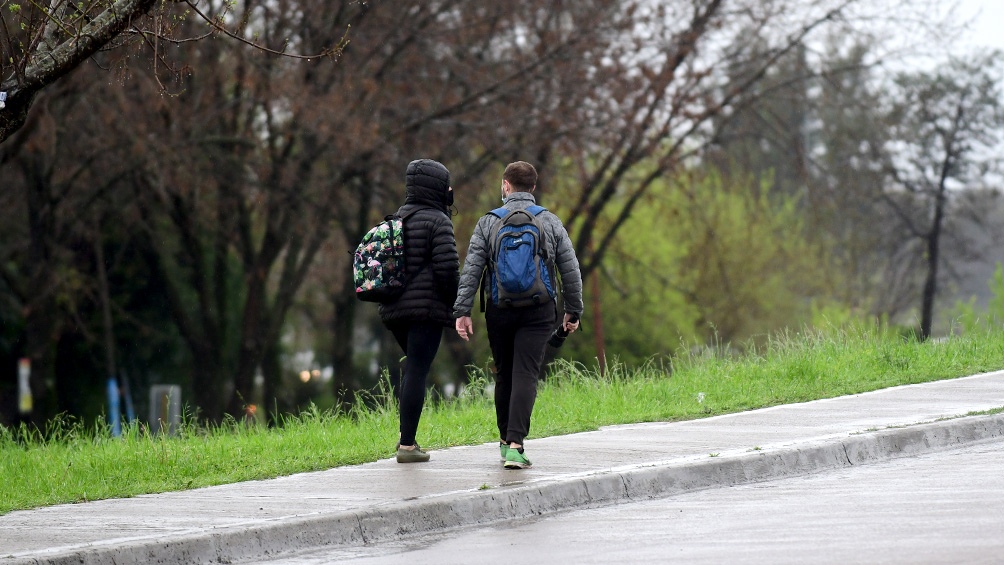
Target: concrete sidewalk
466, 486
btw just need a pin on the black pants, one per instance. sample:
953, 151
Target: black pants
518, 337
420, 342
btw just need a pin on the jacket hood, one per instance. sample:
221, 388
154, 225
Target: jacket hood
428, 182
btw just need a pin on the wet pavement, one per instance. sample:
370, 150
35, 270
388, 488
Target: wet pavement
463, 487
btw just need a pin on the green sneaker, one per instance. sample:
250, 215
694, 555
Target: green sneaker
516, 459
503, 450
411, 455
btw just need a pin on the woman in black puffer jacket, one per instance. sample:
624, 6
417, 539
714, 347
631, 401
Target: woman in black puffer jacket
418, 317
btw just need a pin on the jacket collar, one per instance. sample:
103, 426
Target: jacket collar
521, 196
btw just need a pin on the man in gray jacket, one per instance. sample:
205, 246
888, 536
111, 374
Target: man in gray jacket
518, 334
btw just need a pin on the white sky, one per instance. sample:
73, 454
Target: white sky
988, 26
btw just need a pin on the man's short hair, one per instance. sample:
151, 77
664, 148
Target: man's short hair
521, 175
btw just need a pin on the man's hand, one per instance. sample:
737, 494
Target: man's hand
465, 327
568, 324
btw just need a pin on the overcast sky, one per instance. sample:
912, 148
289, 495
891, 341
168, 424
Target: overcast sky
987, 30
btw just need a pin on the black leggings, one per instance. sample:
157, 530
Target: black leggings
420, 342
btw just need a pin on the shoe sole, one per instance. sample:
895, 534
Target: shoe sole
412, 458
517, 465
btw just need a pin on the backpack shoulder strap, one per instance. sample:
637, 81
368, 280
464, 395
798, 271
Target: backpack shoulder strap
535, 211
403, 217
499, 213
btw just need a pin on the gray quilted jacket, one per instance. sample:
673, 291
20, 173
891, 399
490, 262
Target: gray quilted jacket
558, 244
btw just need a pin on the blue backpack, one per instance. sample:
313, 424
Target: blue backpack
519, 271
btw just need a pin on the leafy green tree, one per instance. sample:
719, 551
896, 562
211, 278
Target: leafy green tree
64, 200
944, 127
767, 134
844, 196
47, 204
236, 181
708, 258
664, 113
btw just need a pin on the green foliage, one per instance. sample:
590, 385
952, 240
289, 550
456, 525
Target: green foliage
706, 257
995, 307
834, 315
969, 317
643, 298
750, 267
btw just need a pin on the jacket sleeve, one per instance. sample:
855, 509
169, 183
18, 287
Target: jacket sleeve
445, 261
474, 267
568, 268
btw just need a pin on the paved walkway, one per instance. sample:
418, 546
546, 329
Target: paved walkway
466, 486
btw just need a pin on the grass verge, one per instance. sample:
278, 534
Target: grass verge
75, 464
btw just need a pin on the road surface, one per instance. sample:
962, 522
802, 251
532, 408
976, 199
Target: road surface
945, 507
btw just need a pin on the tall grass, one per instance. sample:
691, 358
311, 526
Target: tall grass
72, 463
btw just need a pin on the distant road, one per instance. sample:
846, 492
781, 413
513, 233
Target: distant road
940, 508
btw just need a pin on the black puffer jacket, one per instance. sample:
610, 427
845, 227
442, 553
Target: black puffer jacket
433, 264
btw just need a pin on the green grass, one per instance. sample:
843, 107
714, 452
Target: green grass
73, 464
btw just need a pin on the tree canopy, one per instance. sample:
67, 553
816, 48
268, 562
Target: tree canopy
180, 185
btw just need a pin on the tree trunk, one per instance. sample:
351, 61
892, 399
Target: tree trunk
931, 282
344, 381
47, 67
271, 371
251, 348
210, 385
38, 296
14, 115
41, 337
597, 317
